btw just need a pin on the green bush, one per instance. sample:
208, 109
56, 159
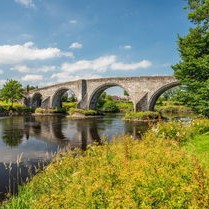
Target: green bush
49, 110
83, 112
110, 106
125, 106
69, 105
17, 108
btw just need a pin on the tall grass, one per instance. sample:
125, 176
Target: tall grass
152, 173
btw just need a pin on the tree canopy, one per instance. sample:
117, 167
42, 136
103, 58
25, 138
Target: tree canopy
11, 91
193, 68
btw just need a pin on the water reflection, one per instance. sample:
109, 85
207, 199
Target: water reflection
35, 139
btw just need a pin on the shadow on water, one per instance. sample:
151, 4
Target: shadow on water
36, 139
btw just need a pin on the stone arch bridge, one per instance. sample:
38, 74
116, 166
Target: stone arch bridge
143, 91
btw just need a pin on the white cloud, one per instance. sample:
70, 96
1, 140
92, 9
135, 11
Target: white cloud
66, 76
73, 21
46, 69
1, 71
32, 77
76, 45
26, 69
2, 82
127, 47
132, 66
26, 3
21, 68
100, 64
10, 54
26, 36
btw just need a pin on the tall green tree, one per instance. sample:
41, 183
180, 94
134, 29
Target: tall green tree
11, 91
193, 68
28, 88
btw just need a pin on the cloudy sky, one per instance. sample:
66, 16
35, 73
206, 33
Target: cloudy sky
48, 41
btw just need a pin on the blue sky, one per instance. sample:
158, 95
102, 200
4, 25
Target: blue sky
49, 41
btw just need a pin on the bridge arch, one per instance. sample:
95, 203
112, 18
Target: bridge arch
156, 94
92, 103
36, 100
57, 96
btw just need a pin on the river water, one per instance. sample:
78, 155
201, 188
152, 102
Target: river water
26, 143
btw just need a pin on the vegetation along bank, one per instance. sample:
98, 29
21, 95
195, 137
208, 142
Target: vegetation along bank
163, 170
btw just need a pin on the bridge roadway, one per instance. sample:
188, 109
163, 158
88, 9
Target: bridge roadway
143, 91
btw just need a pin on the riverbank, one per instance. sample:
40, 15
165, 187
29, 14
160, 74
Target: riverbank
164, 173
143, 116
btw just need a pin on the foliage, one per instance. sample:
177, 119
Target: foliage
69, 105
101, 99
125, 93
83, 112
70, 99
5, 107
11, 91
147, 115
162, 176
124, 106
179, 131
107, 104
170, 94
200, 147
110, 106
193, 69
171, 107
50, 110
28, 88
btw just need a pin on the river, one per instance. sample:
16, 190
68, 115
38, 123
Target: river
29, 142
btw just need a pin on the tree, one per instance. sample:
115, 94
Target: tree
101, 99
193, 69
11, 91
28, 87
110, 106
125, 93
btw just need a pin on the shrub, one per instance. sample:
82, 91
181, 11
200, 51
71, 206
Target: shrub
49, 110
125, 106
69, 105
17, 108
110, 106
83, 112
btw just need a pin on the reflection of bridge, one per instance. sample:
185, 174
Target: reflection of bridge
54, 130
143, 91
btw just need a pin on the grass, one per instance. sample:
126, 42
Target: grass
82, 112
157, 172
147, 115
199, 146
50, 110
171, 107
